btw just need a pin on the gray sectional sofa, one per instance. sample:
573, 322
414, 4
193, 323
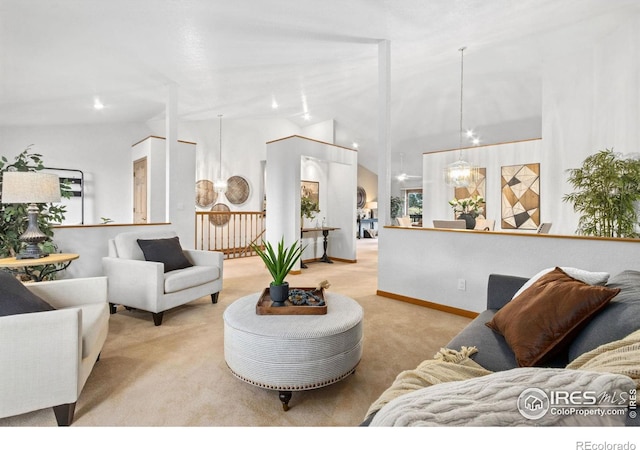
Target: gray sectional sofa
615, 319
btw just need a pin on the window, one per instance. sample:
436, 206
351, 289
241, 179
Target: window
413, 204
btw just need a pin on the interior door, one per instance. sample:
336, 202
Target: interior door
140, 191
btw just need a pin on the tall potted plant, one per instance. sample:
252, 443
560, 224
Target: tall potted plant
607, 189
279, 263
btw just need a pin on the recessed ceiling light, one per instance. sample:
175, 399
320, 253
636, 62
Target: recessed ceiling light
355, 145
476, 141
97, 104
469, 133
274, 104
306, 116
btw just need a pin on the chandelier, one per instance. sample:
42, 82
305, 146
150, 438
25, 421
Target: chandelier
220, 185
460, 173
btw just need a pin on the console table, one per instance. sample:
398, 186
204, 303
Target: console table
325, 233
48, 263
371, 223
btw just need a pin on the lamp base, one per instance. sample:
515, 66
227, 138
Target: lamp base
32, 236
31, 251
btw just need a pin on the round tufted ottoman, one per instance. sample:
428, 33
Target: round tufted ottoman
293, 352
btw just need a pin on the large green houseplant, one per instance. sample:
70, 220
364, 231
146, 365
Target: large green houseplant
13, 217
607, 189
279, 262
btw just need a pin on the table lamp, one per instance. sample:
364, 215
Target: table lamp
373, 206
31, 188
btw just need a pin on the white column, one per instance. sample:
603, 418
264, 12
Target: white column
171, 142
384, 120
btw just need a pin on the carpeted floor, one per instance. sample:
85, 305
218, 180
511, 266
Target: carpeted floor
175, 375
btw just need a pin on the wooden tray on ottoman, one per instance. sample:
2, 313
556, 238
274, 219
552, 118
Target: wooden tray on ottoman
264, 305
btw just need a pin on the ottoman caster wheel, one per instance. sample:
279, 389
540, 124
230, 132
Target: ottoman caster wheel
284, 397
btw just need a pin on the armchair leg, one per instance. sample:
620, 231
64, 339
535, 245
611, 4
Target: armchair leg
157, 318
214, 297
64, 414
112, 308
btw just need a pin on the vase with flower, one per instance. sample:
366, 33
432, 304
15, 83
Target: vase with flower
468, 209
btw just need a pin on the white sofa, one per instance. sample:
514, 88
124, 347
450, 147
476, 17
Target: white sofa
46, 357
140, 284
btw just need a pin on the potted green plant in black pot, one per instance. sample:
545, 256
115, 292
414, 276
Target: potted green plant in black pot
279, 262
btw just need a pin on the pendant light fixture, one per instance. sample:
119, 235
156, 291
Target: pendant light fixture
460, 173
220, 185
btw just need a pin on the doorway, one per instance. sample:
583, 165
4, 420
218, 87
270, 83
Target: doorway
140, 191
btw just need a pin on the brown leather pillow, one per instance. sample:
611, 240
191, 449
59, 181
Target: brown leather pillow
543, 319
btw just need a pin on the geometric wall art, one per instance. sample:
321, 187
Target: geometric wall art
477, 188
521, 196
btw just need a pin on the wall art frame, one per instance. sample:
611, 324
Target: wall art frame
520, 196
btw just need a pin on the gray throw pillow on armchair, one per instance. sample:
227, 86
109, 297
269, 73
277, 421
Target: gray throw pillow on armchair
15, 298
167, 251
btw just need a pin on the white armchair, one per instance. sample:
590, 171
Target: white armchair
140, 284
46, 357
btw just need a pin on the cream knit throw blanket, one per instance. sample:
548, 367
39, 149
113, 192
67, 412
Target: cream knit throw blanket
446, 365
618, 357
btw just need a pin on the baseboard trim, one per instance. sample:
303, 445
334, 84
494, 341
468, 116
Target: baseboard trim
426, 304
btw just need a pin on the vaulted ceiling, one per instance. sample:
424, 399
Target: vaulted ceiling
310, 56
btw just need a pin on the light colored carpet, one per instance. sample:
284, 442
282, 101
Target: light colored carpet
175, 375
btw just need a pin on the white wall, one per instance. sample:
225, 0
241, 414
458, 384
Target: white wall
369, 182
591, 101
322, 131
426, 264
102, 152
243, 151
287, 161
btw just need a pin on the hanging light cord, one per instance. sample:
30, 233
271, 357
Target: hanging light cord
462, 49
220, 166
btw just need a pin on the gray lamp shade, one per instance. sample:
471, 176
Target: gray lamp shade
30, 187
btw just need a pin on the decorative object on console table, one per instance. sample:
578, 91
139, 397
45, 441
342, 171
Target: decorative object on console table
279, 263
468, 209
521, 196
31, 188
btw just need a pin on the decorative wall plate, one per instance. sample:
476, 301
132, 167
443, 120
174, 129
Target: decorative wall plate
362, 197
205, 194
219, 219
237, 190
